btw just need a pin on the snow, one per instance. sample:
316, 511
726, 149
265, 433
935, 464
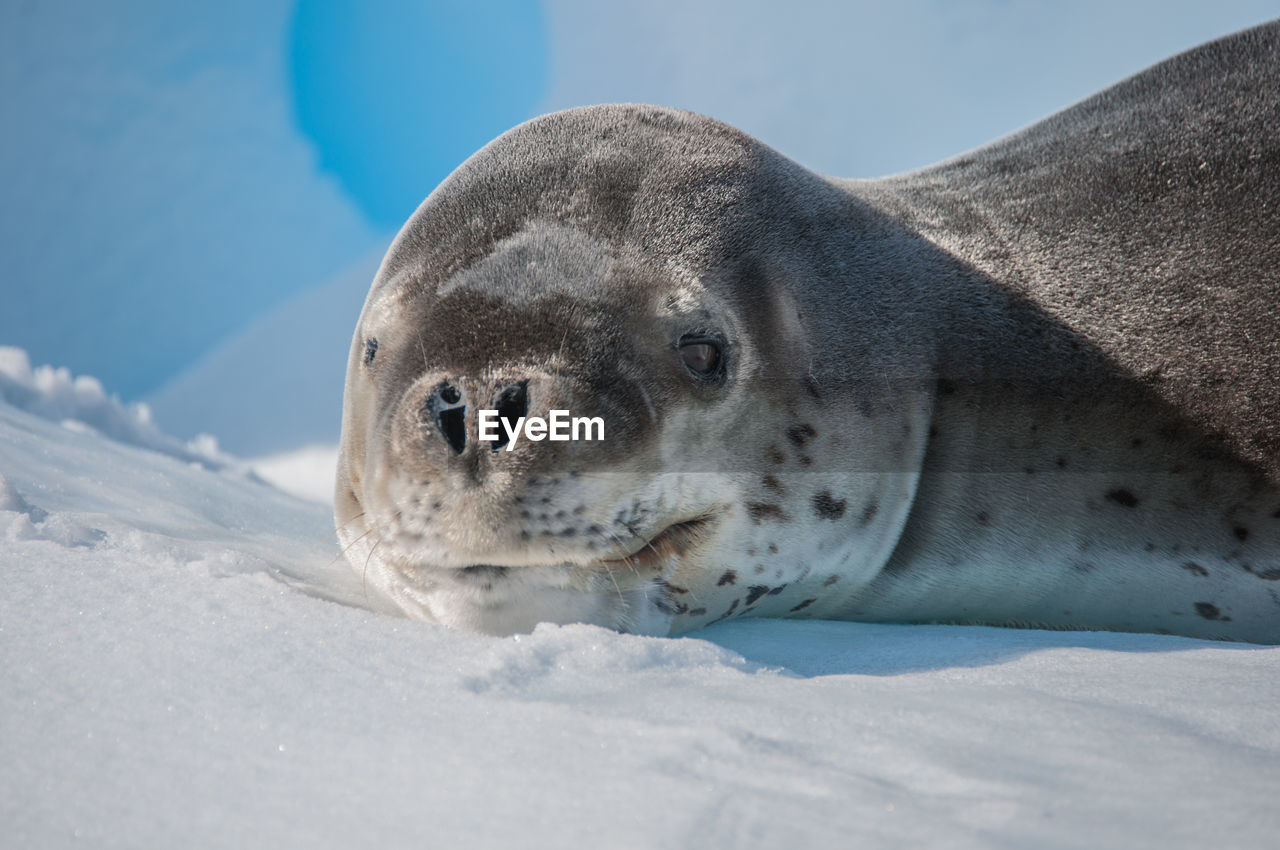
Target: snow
185, 660
81, 404
307, 473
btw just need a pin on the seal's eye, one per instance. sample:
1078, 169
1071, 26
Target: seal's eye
370, 350
702, 355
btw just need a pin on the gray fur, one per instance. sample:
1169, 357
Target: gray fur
1064, 345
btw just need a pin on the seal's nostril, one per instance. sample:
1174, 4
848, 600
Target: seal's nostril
512, 404
452, 424
449, 417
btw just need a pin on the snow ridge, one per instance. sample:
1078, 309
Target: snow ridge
80, 403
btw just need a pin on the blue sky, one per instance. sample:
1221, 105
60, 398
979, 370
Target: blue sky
176, 170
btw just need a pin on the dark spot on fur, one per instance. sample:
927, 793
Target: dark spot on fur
1208, 611
1276, 515
728, 613
755, 591
830, 581
674, 589
805, 460
1195, 569
777, 590
759, 569
1265, 575
801, 434
982, 518
812, 387
773, 548
1028, 470
776, 456
1135, 443
802, 605
1122, 497
525, 535
729, 577
760, 511
1061, 463
770, 482
933, 432
946, 386
869, 511
1241, 533
1150, 547
827, 506
569, 532
697, 612
751, 553
1083, 566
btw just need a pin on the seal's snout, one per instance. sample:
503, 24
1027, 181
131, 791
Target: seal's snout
443, 411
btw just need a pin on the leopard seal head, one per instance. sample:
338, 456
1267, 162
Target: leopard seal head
666, 274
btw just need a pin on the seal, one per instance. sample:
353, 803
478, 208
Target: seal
1035, 385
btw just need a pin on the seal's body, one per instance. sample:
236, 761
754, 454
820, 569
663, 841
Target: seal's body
1038, 384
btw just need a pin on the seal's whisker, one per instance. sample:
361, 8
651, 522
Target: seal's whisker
616, 587
337, 529
364, 583
345, 549
627, 560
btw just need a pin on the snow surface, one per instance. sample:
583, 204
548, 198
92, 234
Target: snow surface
307, 473
186, 661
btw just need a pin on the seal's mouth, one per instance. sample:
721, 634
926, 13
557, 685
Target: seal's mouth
652, 555
672, 542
